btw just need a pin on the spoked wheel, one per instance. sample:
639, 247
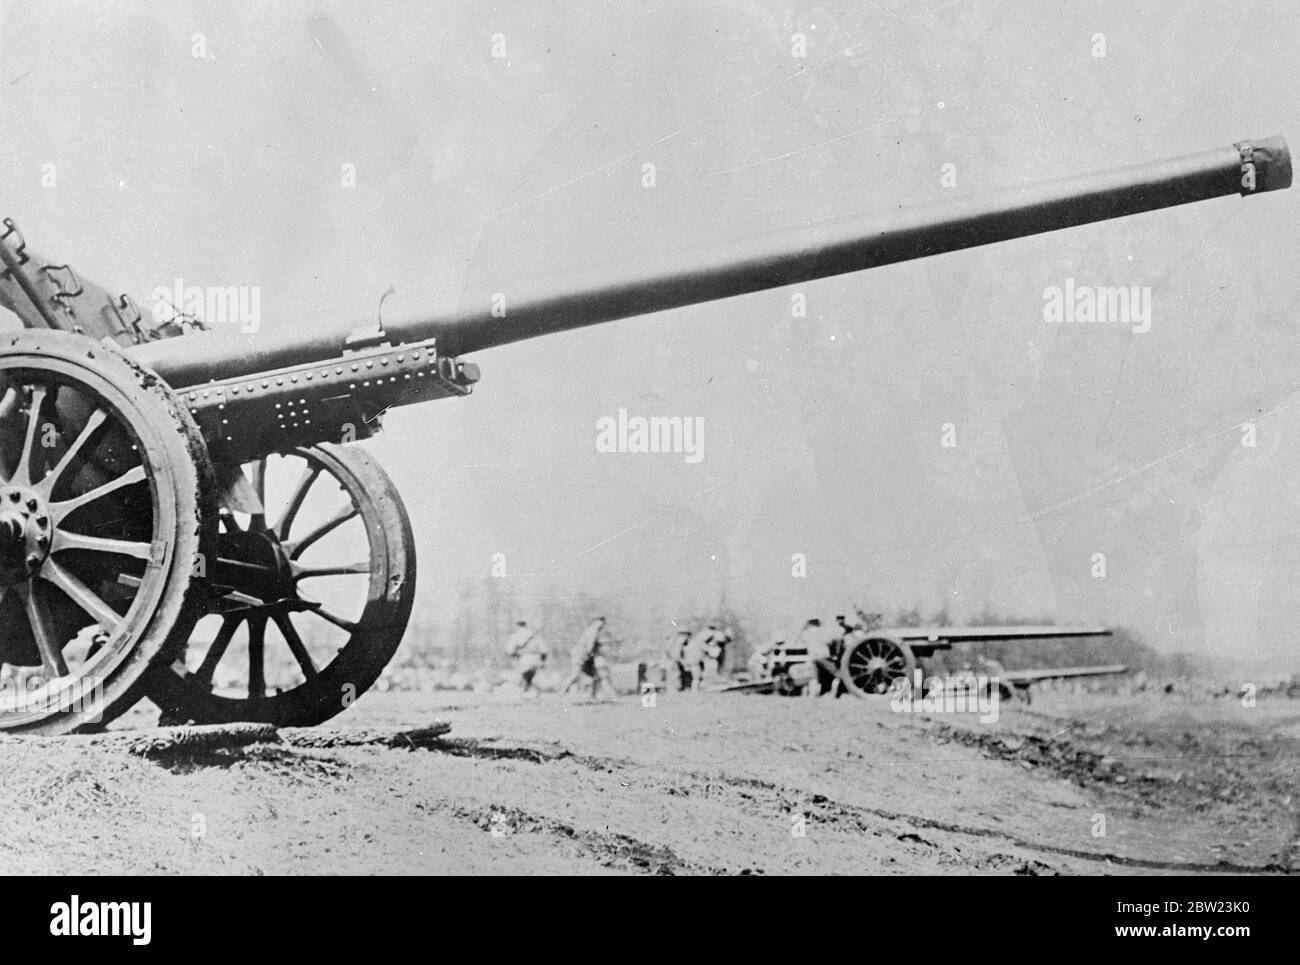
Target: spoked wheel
310, 607
876, 665
106, 506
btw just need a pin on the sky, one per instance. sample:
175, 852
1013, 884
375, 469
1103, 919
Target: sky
210, 142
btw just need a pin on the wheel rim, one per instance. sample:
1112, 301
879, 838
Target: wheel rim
877, 664
85, 504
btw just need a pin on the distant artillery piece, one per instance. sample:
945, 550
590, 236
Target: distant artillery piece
134, 453
878, 661
1016, 683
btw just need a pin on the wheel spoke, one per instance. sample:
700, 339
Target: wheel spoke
324, 614
296, 549
23, 471
257, 657
259, 487
63, 540
92, 425
62, 509
296, 646
308, 477
307, 573
81, 595
224, 562
216, 650
243, 598
10, 414
39, 618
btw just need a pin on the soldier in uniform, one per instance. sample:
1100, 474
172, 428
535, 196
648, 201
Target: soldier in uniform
696, 654
718, 649
675, 656
760, 660
844, 631
817, 639
584, 654
603, 673
529, 652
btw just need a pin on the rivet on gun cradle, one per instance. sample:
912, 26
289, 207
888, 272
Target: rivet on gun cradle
145, 470
300, 405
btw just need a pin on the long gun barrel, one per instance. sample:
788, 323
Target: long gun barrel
560, 303
259, 393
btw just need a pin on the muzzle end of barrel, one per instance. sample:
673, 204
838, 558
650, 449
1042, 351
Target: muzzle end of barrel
1265, 165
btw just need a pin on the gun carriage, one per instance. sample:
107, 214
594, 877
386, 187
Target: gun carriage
877, 661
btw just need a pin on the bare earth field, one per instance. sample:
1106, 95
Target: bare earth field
707, 784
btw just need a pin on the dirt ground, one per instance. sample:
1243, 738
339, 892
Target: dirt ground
696, 784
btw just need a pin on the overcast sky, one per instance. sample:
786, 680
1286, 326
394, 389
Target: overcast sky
822, 435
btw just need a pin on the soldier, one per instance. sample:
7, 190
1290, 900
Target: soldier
846, 629
583, 656
603, 674
816, 639
674, 654
529, 651
718, 648
844, 632
695, 655
760, 660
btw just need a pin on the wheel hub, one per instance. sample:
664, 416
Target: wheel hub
25, 532
255, 564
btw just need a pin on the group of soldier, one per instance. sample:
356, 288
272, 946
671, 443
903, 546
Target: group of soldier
692, 658
824, 645
530, 651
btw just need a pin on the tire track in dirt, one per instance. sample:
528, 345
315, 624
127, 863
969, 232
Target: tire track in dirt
821, 809
609, 849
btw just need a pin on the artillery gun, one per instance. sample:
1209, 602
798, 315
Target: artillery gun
875, 661
134, 456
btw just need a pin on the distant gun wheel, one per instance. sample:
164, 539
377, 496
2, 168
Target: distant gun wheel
309, 608
877, 665
1006, 693
107, 505
785, 686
